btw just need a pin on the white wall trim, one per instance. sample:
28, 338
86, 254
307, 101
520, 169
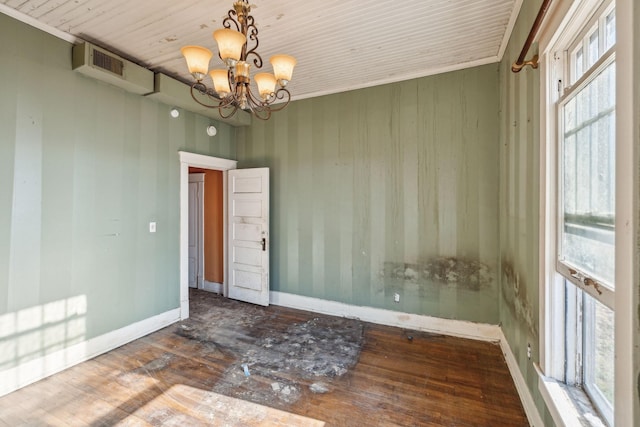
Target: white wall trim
42, 367
457, 328
559, 404
526, 398
388, 80
206, 162
510, 26
626, 406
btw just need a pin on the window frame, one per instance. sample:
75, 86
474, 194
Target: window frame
570, 23
595, 394
589, 283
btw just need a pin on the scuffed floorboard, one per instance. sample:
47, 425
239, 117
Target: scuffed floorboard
304, 370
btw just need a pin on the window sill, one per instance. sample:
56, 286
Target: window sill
569, 406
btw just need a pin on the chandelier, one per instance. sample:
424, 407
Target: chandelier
237, 44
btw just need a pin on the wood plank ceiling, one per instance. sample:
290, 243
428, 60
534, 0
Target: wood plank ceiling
340, 45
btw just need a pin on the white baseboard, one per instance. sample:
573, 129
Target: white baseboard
42, 367
521, 385
212, 287
457, 328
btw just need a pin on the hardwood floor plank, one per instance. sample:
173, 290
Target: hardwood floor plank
304, 369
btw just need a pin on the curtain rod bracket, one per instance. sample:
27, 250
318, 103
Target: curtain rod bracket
520, 63
533, 62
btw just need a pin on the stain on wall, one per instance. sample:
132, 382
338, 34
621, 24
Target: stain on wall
638, 387
470, 274
515, 296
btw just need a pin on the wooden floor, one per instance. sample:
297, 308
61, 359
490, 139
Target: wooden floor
304, 370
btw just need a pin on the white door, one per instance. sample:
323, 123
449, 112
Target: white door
249, 235
196, 231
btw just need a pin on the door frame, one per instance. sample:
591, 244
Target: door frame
207, 162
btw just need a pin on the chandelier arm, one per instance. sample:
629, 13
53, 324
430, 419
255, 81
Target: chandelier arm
231, 78
282, 94
259, 109
252, 35
270, 99
226, 102
226, 22
262, 109
226, 107
199, 87
266, 116
256, 102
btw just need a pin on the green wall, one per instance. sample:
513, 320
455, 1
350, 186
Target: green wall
519, 204
391, 189
84, 167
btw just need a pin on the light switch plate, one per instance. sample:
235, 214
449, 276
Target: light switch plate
152, 227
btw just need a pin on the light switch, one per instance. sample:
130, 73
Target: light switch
152, 227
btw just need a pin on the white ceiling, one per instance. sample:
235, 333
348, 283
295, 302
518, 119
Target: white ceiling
340, 45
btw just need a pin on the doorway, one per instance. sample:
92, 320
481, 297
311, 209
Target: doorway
206, 223
196, 227
188, 160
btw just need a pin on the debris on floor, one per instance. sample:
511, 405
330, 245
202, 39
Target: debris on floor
277, 366
319, 388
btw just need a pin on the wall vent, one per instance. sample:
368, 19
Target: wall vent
103, 65
107, 62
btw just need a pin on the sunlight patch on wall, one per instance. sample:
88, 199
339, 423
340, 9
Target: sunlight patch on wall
36, 331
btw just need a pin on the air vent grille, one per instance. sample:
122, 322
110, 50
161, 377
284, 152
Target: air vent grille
106, 62
103, 65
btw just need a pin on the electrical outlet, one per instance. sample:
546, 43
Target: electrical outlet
396, 297
528, 351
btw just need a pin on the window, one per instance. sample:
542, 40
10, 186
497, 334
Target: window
580, 230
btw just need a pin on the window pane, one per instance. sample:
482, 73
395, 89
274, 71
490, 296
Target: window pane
579, 65
588, 177
599, 353
594, 54
610, 30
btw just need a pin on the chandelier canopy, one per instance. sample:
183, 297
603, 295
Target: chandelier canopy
237, 44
